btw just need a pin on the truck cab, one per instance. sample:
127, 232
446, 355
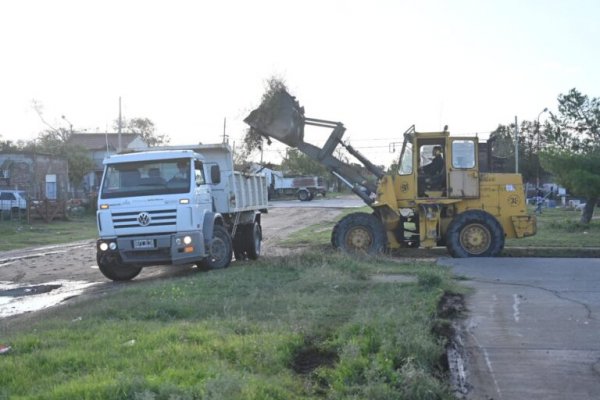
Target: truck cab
175, 206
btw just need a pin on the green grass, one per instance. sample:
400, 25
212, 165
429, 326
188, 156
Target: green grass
319, 233
19, 234
311, 326
559, 227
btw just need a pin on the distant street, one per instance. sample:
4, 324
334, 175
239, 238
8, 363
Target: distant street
533, 330
345, 201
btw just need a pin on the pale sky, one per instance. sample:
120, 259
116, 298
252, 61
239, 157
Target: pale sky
377, 66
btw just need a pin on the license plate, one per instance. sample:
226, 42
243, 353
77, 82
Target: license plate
143, 244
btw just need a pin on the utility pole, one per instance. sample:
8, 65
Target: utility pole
119, 128
537, 167
225, 137
516, 146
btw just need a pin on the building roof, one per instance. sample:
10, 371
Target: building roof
98, 141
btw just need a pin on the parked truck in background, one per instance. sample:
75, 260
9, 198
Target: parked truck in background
305, 188
177, 205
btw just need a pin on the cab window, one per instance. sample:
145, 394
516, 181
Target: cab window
463, 154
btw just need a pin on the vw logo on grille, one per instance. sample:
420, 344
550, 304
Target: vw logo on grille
144, 219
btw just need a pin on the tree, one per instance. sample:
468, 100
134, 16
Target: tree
531, 140
297, 163
573, 148
146, 129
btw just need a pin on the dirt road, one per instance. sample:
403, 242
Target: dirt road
36, 278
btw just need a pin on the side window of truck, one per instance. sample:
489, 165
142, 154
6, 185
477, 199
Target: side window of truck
199, 173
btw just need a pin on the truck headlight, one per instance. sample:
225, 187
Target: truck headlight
112, 246
187, 239
103, 246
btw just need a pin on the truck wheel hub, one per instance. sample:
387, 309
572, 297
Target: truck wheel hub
475, 238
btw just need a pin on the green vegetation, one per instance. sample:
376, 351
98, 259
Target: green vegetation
19, 234
319, 234
558, 227
301, 327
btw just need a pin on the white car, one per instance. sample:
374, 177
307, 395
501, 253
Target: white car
12, 200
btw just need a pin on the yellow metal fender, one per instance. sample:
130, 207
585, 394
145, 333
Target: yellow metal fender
525, 225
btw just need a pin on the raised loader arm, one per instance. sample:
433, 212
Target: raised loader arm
283, 119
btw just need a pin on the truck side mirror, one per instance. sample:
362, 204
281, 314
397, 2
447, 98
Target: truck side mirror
215, 174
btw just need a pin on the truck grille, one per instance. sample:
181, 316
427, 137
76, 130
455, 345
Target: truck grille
131, 219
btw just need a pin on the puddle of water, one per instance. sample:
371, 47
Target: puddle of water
22, 298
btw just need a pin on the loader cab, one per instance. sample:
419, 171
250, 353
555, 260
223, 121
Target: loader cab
431, 168
434, 165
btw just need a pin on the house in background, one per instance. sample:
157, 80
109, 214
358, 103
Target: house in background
41, 176
101, 145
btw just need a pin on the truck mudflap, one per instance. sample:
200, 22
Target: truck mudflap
180, 248
524, 225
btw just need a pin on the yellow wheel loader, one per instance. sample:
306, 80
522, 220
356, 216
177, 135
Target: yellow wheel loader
436, 197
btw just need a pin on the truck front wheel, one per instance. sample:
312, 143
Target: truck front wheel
220, 249
359, 233
111, 267
474, 234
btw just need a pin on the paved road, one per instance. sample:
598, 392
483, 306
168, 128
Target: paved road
533, 330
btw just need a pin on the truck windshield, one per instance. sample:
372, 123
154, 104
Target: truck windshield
146, 178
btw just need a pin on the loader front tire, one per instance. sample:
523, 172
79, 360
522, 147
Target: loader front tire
358, 233
474, 233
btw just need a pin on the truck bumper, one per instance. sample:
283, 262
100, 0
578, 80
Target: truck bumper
161, 249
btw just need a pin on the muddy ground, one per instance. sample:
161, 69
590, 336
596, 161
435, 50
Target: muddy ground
36, 278
77, 261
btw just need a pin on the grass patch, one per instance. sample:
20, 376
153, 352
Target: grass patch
15, 234
561, 228
319, 234
303, 327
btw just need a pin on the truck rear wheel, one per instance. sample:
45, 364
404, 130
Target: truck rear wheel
111, 267
220, 249
359, 233
247, 242
474, 234
304, 195
253, 237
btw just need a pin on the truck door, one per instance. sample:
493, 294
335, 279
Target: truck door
463, 177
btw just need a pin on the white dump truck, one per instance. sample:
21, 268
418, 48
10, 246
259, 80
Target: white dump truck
177, 205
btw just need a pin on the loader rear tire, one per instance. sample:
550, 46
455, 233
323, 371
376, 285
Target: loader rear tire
358, 233
474, 233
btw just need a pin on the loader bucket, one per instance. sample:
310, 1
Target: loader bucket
279, 117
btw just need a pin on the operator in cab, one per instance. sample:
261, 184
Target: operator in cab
436, 165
